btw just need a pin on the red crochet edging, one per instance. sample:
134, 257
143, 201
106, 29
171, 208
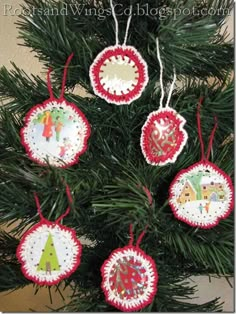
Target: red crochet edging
106, 292
227, 178
123, 51
146, 132
61, 277
43, 106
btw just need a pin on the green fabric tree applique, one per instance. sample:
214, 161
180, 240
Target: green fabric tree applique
49, 261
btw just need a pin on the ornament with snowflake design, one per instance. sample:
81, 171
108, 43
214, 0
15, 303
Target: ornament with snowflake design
202, 194
49, 252
55, 132
119, 74
129, 278
163, 135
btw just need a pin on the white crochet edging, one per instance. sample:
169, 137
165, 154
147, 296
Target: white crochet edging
67, 251
93, 78
114, 297
76, 141
190, 213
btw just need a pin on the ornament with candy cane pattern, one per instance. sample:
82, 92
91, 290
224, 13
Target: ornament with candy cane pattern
163, 136
129, 277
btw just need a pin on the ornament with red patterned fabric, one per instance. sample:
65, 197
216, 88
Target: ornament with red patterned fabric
129, 277
119, 73
202, 194
163, 136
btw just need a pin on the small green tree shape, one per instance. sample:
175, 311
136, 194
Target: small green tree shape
195, 181
49, 260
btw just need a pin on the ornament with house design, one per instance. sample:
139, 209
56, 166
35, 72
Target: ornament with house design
202, 194
49, 251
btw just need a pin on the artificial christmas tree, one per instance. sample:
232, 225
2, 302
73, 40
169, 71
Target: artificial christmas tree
112, 185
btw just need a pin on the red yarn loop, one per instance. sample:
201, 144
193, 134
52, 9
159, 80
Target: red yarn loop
212, 138
141, 236
65, 74
147, 192
149, 195
204, 158
68, 193
38, 206
132, 236
63, 80
49, 83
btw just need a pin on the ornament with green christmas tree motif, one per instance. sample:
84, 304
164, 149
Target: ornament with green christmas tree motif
49, 252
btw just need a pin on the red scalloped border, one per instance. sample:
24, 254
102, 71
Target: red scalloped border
123, 51
227, 178
43, 106
106, 292
172, 156
61, 277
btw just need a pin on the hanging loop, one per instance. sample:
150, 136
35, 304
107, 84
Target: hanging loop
49, 84
128, 26
161, 78
171, 88
65, 75
204, 158
132, 236
141, 237
149, 195
212, 138
199, 128
117, 25
70, 200
38, 206
161, 73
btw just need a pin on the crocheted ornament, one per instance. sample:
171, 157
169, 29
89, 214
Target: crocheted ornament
119, 74
49, 252
129, 277
55, 132
163, 136
202, 194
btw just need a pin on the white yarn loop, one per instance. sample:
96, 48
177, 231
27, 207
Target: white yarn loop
161, 79
117, 25
116, 22
161, 73
128, 25
171, 89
